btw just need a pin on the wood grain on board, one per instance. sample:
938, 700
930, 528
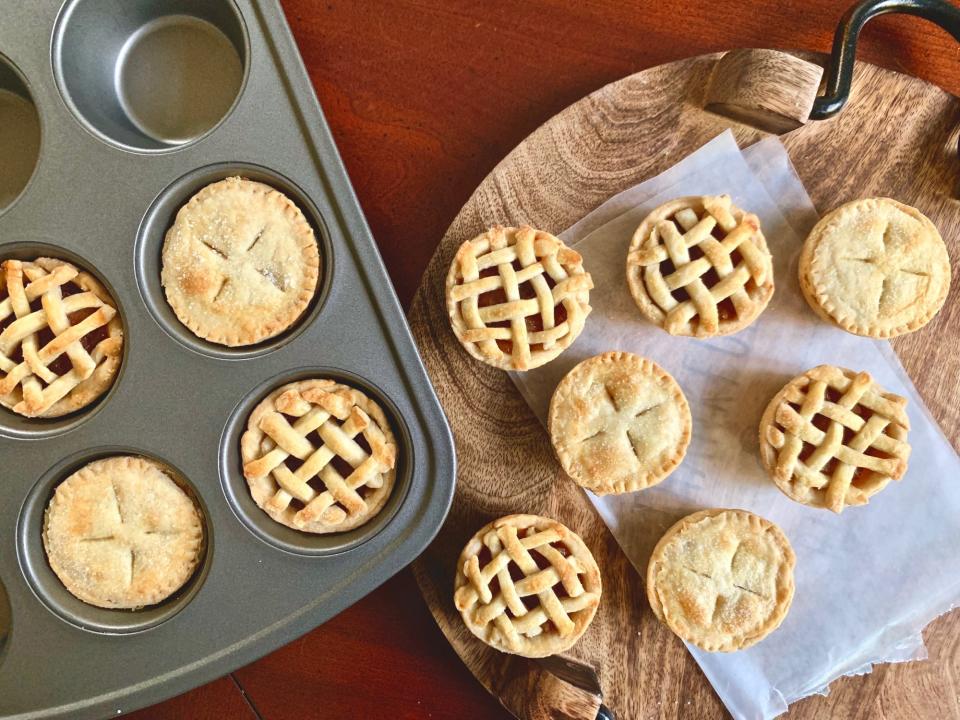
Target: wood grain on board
424, 97
896, 137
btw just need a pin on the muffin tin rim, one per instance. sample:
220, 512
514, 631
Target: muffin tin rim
63, 16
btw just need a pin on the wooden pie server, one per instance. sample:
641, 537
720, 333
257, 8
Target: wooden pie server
553, 688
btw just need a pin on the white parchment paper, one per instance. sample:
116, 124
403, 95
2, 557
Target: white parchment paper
868, 580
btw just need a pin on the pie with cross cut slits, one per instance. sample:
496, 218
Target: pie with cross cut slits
700, 266
832, 437
721, 579
240, 263
619, 423
121, 533
527, 585
319, 456
875, 267
61, 338
517, 297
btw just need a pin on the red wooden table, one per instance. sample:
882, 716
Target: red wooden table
424, 97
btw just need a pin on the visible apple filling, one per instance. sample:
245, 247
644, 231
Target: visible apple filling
61, 364
534, 323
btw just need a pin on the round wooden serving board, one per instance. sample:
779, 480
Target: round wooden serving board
897, 137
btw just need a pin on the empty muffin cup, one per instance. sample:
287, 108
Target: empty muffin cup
150, 75
19, 134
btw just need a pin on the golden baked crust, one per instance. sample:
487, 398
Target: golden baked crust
319, 456
240, 263
120, 533
700, 266
61, 338
875, 267
527, 585
517, 297
832, 437
619, 423
721, 579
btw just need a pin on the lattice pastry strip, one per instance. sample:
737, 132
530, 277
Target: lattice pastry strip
517, 297
60, 338
833, 438
520, 605
690, 281
313, 474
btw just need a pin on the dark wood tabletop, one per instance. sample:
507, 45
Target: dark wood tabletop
424, 97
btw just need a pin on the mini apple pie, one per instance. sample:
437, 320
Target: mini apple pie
700, 266
120, 533
61, 338
721, 579
619, 423
833, 437
319, 456
527, 585
875, 267
517, 297
240, 263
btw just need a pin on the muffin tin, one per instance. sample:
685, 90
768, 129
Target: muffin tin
119, 112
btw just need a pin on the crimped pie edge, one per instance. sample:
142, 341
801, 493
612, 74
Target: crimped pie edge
276, 323
785, 579
180, 573
540, 646
456, 321
818, 295
105, 374
637, 286
263, 489
568, 388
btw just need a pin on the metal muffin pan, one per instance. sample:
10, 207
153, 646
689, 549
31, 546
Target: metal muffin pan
100, 187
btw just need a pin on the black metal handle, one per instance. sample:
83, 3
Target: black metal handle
840, 72
605, 713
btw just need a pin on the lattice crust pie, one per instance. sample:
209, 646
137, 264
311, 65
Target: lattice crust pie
721, 579
875, 267
833, 437
240, 263
61, 338
619, 423
700, 266
527, 585
120, 533
517, 297
319, 456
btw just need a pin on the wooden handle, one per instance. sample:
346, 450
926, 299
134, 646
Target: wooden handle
531, 693
770, 90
